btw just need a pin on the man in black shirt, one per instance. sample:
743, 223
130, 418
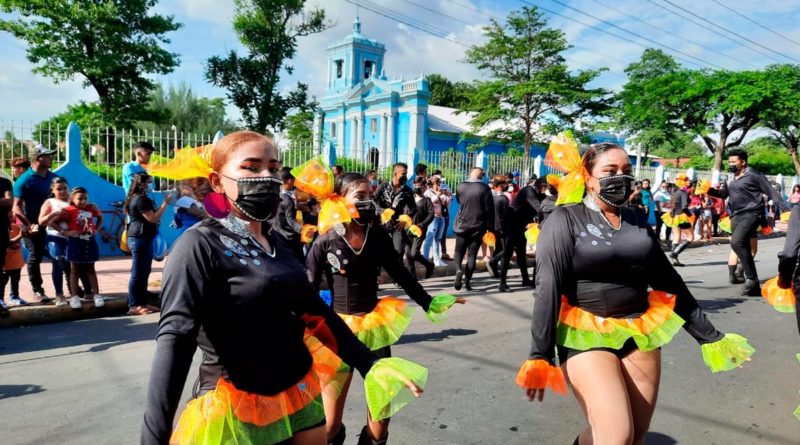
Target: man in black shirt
744, 195
475, 216
285, 221
398, 196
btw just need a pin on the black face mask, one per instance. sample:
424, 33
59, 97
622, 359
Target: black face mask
733, 169
402, 180
615, 190
258, 197
366, 210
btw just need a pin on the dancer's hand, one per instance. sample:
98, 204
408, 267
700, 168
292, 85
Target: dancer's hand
416, 390
461, 300
535, 394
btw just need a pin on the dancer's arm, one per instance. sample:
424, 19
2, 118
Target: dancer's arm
554, 250
187, 280
395, 268
787, 259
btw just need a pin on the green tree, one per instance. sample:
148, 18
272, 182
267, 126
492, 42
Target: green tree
114, 45
783, 117
446, 93
180, 107
528, 81
269, 31
86, 115
768, 156
299, 128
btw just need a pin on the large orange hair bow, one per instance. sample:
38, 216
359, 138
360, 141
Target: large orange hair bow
316, 179
563, 156
188, 163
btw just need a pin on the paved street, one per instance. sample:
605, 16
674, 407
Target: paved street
84, 382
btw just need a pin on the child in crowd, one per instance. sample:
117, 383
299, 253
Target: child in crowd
52, 209
82, 249
189, 209
12, 269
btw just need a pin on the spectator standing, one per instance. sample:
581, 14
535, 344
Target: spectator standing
31, 190
475, 217
53, 209
648, 203
285, 223
423, 218
142, 150
445, 213
372, 175
143, 227
189, 208
421, 171
717, 209
12, 269
397, 196
19, 166
436, 229
663, 203
338, 172
794, 198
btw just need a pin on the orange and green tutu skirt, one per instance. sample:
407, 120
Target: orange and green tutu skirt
582, 330
384, 325
783, 300
228, 415
675, 221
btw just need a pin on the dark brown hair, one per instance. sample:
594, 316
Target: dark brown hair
594, 151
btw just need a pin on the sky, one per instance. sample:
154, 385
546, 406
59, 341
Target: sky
207, 31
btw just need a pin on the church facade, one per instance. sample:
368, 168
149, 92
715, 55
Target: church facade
366, 116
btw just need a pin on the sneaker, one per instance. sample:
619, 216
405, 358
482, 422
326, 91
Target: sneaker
60, 300
17, 301
42, 298
440, 263
99, 301
458, 282
4, 309
75, 302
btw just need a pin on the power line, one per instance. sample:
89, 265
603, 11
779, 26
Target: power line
469, 6
597, 28
666, 31
731, 32
416, 24
437, 12
632, 33
756, 23
689, 18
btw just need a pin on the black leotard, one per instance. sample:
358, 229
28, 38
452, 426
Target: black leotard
224, 293
604, 271
352, 277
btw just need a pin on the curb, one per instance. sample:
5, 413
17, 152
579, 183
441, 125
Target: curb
47, 313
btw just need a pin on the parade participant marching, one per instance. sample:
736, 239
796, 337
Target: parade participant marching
680, 219
349, 258
744, 194
475, 217
525, 209
595, 261
502, 210
422, 219
396, 196
239, 295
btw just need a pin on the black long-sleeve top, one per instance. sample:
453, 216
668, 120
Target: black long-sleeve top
680, 202
745, 192
400, 200
242, 307
425, 213
604, 271
526, 206
285, 221
476, 208
352, 276
788, 273
502, 209
548, 206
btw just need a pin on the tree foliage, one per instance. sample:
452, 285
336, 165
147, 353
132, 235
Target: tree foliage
180, 107
530, 89
299, 128
269, 30
446, 93
783, 117
113, 45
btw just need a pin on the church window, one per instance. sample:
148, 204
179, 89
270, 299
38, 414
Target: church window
368, 69
373, 125
339, 66
333, 129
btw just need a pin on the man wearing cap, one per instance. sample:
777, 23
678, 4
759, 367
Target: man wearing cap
31, 190
142, 150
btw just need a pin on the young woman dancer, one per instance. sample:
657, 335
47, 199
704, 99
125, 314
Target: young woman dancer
594, 263
349, 258
239, 296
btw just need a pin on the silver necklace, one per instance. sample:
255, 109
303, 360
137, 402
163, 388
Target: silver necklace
363, 245
241, 228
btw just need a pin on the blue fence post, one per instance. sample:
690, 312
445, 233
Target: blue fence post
73, 144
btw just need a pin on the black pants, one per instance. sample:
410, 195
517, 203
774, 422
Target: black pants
443, 241
744, 227
414, 253
659, 224
13, 277
37, 246
715, 224
468, 243
401, 240
513, 242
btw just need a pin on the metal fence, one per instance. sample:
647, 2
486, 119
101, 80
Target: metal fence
104, 150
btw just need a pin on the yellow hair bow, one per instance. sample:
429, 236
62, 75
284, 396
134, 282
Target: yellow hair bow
316, 179
563, 155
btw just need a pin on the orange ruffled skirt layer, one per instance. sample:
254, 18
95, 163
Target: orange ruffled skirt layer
384, 325
582, 330
229, 415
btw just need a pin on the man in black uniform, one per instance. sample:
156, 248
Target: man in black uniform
398, 196
475, 216
744, 195
525, 209
285, 223
502, 209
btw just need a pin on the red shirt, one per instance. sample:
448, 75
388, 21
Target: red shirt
81, 220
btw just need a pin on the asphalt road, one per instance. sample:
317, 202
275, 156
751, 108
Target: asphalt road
84, 382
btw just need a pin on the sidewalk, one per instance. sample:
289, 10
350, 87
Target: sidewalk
113, 274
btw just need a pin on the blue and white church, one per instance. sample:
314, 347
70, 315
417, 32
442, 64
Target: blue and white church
366, 116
